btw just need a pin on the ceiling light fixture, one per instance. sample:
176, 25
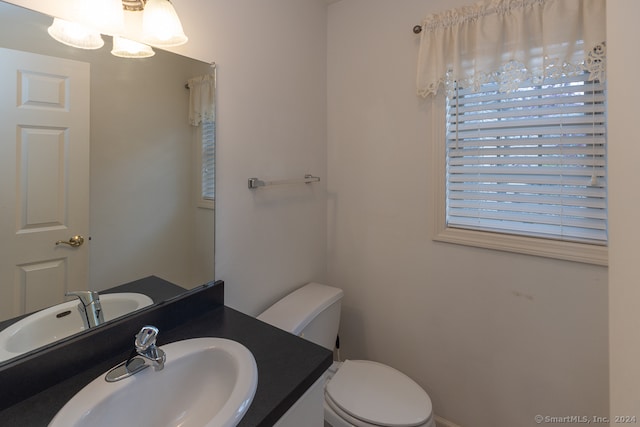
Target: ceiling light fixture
103, 15
161, 25
133, 5
158, 25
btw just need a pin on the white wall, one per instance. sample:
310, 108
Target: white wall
495, 338
271, 58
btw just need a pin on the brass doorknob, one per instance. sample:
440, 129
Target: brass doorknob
75, 241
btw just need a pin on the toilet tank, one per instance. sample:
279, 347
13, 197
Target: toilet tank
311, 312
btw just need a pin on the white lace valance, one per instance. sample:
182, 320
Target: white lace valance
507, 41
202, 95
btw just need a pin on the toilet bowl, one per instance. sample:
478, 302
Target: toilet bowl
358, 393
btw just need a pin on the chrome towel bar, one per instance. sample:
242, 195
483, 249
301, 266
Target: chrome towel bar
257, 183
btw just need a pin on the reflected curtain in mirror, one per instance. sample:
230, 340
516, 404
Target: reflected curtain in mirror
202, 90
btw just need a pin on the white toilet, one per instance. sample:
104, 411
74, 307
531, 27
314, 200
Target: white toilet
358, 393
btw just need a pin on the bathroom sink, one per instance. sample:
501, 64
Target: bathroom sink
60, 321
205, 382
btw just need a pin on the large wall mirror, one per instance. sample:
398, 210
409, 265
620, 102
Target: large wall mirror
145, 213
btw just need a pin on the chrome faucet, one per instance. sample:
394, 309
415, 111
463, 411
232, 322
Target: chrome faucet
144, 354
146, 347
89, 307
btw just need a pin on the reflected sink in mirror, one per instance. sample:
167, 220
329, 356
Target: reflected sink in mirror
61, 321
205, 382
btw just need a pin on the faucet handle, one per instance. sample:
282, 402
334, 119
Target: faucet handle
85, 297
146, 338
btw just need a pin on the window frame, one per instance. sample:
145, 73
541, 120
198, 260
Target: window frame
550, 248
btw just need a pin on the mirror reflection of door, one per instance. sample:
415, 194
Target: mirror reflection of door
44, 179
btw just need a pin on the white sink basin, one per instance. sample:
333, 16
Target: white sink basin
61, 321
205, 382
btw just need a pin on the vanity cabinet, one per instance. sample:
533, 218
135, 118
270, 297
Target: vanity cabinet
308, 411
290, 369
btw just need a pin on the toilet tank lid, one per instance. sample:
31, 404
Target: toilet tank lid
296, 310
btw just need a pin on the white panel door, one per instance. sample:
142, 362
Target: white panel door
44, 179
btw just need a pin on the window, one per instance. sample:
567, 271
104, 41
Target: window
521, 163
207, 164
525, 170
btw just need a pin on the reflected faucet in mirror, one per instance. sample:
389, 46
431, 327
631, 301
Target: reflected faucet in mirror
63, 320
89, 307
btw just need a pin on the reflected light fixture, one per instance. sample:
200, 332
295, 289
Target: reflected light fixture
75, 35
125, 48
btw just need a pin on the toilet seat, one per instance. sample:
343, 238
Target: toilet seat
368, 393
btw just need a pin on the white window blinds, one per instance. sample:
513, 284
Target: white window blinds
529, 162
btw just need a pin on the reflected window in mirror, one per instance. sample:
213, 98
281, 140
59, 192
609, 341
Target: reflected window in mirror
202, 93
207, 164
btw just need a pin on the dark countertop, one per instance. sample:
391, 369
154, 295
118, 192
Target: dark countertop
287, 365
154, 287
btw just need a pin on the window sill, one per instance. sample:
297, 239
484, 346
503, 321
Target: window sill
206, 204
570, 251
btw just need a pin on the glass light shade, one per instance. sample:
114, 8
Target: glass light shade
161, 25
75, 35
104, 15
126, 48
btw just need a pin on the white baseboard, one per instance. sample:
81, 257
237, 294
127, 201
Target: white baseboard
441, 422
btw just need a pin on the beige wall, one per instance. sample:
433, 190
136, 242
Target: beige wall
624, 202
495, 338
